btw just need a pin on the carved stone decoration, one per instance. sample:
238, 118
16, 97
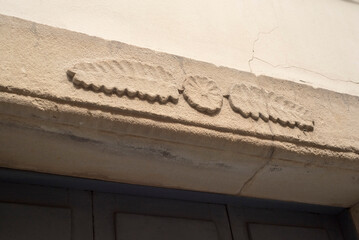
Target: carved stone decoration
249, 101
134, 79
254, 102
202, 94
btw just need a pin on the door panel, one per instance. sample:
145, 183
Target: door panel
126, 217
18, 221
265, 224
277, 232
138, 226
36, 212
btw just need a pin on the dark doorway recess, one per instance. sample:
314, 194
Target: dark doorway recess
44, 206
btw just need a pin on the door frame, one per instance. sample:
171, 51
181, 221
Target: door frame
232, 202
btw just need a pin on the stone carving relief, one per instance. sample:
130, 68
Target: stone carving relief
153, 83
202, 94
254, 102
134, 79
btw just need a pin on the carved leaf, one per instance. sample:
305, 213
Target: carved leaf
134, 79
254, 102
287, 113
249, 101
202, 94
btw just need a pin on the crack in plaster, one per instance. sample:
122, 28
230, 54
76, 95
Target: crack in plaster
305, 69
254, 44
286, 66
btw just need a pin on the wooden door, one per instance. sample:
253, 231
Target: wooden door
43, 213
130, 218
265, 224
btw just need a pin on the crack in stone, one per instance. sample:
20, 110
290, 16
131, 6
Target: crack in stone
251, 179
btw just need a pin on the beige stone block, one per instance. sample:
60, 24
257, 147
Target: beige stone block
126, 159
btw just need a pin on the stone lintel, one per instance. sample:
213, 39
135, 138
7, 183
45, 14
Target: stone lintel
77, 105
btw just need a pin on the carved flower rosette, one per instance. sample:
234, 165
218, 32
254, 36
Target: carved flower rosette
202, 94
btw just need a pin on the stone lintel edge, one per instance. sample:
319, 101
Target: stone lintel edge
19, 105
84, 60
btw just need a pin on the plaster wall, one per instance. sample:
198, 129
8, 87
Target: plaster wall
310, 42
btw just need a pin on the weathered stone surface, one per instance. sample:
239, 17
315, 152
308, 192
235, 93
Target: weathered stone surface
48, 125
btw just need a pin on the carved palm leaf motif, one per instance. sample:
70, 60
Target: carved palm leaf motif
249, 101
254, 102
287, 113
202, 94
134, 79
